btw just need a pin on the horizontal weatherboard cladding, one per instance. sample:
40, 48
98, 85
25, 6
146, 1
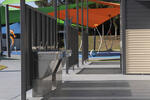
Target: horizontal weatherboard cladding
138, 51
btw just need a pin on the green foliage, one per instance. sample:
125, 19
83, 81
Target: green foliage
43, 3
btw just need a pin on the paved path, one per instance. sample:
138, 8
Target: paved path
10, 79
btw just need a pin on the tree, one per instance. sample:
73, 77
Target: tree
43, 3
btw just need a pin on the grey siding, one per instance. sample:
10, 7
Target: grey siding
138, 14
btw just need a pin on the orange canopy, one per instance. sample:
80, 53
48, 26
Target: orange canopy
96, 16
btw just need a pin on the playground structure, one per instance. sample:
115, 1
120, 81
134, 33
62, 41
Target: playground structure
12, 37
103, 13
15, 37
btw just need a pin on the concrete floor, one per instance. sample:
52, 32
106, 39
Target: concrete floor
97, 85
10, 79
88, 82
102, 90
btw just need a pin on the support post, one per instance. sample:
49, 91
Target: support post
1, 51
82, 29
87, 28
55, 8
87, 6
55, 16
77, 8
23, 50
7, 30
123, 36
66, 31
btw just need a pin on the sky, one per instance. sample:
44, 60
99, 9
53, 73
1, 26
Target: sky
1, 1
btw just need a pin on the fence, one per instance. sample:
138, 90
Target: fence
84, 47
73, 46
40, 35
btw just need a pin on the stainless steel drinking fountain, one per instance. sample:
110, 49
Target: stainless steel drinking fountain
49, 71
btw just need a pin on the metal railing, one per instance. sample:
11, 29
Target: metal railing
40, 36
39, 32
73, 46
42, 29
84, 47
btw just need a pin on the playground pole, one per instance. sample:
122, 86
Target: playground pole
82, 29
0, 35
7, 30
23, 50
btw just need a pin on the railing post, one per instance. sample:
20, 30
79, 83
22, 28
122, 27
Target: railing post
7, 31
23, 46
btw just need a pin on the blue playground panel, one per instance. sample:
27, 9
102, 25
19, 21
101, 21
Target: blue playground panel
15, 27
13, 53
104, 55
98, 54
108, 54
115, 57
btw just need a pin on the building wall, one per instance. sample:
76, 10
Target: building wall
137, 36
138, 14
